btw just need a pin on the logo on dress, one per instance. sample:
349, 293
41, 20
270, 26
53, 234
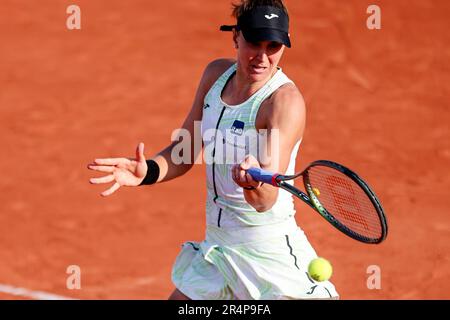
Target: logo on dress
206, 106
312, 290
238, 127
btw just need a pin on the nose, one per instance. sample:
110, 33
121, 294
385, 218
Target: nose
261, 54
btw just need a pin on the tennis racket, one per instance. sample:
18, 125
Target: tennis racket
339, 195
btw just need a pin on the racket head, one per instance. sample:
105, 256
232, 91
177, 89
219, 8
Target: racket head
346, 201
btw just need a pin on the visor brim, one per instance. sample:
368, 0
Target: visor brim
265, 34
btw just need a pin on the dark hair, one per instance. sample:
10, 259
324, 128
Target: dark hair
247, 5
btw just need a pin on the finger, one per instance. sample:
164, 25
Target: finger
249, 161
111, 161
245, 166
233, 172
244, 163
242, 175
111, 190
140, 152
106, 179
237, 170
108, 169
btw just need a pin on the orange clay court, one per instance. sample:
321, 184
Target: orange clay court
377, 101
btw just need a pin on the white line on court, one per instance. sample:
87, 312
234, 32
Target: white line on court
36, 295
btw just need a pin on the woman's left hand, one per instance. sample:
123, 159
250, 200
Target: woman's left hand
240, 175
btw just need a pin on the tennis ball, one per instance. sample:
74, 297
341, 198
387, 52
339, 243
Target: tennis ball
320, 269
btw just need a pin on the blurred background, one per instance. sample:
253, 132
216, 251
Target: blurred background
377, 101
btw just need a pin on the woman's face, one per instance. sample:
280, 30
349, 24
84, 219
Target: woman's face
257, 61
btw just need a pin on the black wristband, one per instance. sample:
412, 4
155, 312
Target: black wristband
152, 173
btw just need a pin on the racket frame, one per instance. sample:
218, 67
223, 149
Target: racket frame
313, 201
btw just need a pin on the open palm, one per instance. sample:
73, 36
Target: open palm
121, 171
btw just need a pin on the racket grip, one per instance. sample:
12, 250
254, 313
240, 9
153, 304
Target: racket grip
262, 175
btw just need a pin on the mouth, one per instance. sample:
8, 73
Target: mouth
258, 69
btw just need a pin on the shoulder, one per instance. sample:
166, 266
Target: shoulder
220, 64
286, 104
215, 69
210, 74
288, 94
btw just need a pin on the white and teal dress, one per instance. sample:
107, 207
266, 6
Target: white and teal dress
246, 254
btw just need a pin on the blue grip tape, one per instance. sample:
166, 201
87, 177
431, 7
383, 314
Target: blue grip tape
262, 175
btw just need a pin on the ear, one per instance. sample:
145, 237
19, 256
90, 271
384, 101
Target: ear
235, 38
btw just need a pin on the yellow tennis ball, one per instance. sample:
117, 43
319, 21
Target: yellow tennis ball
320, 269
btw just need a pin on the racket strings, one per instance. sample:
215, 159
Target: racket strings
346, 201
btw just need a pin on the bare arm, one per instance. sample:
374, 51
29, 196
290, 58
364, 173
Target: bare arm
284, 111
131, 172
168, 169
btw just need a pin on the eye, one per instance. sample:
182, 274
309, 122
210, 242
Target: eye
275, 45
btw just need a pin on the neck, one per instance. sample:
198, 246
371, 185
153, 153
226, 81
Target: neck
245, 87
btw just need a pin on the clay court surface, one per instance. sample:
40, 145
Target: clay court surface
378, 102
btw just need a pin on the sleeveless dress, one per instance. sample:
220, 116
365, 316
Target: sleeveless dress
246, 254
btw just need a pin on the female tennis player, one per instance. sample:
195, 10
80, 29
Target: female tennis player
253, 248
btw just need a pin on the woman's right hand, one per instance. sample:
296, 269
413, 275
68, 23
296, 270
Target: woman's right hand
122, 171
